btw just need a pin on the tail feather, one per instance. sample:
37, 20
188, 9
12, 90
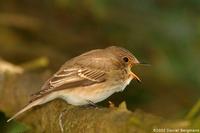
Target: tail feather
27, 107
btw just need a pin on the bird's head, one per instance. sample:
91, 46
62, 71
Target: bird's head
125, 59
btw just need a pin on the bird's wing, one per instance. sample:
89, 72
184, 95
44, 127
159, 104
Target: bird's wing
70, 78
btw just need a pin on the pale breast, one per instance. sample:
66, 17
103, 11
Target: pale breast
127, 82
80, 96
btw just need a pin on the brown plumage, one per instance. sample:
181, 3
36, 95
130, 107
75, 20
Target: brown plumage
91, 77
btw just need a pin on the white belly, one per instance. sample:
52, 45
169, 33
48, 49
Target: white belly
82, 97
83, 100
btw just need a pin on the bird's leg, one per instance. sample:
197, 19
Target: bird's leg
92, 103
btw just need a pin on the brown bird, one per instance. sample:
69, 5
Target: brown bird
88, 78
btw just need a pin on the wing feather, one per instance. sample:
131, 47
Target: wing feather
70, 78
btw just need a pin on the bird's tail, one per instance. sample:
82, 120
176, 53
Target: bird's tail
27, 107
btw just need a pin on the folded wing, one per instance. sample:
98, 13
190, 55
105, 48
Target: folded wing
70, 78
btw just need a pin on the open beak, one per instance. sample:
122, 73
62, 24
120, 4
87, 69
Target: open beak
136, 62
136, 77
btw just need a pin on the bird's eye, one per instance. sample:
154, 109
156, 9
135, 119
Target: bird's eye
125, 59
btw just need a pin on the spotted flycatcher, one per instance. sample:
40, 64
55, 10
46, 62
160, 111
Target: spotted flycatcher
88, 78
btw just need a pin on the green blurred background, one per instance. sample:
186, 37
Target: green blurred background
165, 34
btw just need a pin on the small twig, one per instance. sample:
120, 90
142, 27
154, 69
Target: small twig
60, 120
195, 109
34, 64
